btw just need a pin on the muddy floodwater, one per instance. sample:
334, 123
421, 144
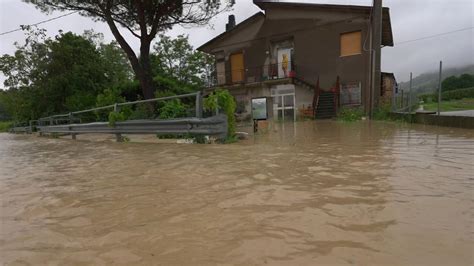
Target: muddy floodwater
310, 193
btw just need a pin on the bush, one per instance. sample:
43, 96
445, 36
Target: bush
350, 114
448, 95
382, 112
4, 126
222, 100
455, 83
172, 109
116, 117
427, 97
457, 94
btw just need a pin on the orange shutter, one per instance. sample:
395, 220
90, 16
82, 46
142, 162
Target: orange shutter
237, 67
351, 43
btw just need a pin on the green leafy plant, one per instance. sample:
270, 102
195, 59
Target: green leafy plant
172, 109
116, 117
222, 100
350, 114
382, 112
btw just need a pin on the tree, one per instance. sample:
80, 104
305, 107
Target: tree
50, 76
461, 82
144, 19
177, 58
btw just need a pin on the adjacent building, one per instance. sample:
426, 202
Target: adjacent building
303, 58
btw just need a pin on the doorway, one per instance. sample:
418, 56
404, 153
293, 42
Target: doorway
237, 67
284, 107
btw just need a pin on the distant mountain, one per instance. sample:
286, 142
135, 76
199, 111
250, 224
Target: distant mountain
428, 82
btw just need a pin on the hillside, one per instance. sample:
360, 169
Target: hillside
428, 82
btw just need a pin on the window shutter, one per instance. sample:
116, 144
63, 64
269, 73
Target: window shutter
351, 43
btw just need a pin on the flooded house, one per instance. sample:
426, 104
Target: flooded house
304, 59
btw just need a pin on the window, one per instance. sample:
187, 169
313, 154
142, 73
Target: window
351, 43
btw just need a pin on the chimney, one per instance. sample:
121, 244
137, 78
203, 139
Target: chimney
231, 23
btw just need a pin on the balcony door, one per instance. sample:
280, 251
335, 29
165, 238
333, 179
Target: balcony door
237, 67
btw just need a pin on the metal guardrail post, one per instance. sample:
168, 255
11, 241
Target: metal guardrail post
118, 136
410, 93
439, 87
199, 105
73, 135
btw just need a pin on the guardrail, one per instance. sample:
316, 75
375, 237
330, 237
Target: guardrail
69, 124
25, 129
51, 120
212, 126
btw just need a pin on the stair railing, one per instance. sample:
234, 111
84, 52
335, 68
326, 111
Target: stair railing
336, 90
317, 92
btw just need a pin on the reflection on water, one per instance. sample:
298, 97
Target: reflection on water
315, 193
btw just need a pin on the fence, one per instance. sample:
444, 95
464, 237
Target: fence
71, 124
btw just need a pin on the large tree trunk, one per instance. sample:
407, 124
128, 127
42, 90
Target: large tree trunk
141, 67
146, 77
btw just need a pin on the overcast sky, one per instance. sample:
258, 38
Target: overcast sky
411, 19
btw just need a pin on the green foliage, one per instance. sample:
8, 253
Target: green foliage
222, 100
5, 125
66, 73
382, 112
69, 73
448, 95
177, 59
141, 111
427, 97
428, 82
452, 105
461, 82
172, 109
116, 117
350, 114
457, 94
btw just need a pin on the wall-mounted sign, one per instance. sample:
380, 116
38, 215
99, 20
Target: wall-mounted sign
259, 109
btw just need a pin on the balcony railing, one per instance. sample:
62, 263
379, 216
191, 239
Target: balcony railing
254, 74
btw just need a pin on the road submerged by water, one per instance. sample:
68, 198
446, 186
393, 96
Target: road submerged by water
310, 193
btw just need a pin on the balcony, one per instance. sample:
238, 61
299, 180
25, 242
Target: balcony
255, 76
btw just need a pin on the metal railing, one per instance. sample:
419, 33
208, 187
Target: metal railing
254, 74
212, 126
71, 124
116, 107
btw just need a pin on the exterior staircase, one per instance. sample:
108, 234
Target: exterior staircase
326, 106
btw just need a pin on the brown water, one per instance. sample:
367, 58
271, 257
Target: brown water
323, 193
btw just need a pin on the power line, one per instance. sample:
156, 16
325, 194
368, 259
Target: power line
433, 36
38, 23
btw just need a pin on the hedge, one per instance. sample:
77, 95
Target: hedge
448, 95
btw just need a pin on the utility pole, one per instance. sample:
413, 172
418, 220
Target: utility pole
376, 54
409, 94
439, 87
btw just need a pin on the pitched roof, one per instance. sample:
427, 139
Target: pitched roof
241, 25
387, 37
